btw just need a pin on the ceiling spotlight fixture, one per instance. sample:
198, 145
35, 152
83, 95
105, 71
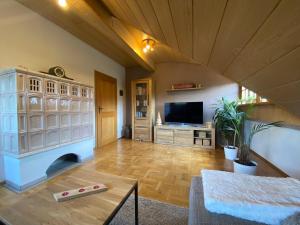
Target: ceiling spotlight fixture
148, 45
62, 3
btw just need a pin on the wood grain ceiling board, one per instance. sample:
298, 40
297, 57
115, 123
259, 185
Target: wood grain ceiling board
241, 20
285, 93
165, 20
207, 16
149, 14
164, 53
283, 71
182, 14
139, 16
279, 35
120, 9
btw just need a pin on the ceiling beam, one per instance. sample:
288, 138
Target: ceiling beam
123, 31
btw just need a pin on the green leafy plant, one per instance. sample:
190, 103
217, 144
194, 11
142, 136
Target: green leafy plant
229, 120
244, 154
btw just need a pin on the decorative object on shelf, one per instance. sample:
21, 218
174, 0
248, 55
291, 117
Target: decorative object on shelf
158, 119
208, 124
183, 85
148, 45
58, 72
79, 192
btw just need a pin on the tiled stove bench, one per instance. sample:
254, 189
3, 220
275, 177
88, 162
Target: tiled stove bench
42, 118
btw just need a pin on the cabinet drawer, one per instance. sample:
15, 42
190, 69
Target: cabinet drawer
141, 130
142, 134
162, 140
164, 132
183, 141
142, 123
183, 133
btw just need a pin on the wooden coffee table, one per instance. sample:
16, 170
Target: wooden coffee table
37, 206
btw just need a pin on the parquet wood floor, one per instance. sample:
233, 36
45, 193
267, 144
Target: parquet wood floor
164, 172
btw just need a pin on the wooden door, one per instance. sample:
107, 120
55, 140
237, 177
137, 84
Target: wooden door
106, 109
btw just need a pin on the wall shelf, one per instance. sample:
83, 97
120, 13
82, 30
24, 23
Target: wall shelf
185, 89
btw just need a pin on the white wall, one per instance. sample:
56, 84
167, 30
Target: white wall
280, 146
29, 40
215, 86
1, 168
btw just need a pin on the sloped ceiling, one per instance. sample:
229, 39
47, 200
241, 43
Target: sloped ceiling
253, 42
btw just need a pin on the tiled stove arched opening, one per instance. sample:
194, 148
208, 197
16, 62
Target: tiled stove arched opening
62, 163
49, 125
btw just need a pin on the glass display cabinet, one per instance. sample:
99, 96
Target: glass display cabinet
142, 109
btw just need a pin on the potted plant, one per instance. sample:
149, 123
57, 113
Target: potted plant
244, 164
228, 120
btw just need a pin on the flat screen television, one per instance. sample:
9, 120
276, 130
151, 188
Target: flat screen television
184, 112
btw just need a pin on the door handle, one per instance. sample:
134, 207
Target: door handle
100, 108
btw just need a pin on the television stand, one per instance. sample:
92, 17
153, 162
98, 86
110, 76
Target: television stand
199, 137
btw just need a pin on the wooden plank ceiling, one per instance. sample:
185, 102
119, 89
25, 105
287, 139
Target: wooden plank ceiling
253, 42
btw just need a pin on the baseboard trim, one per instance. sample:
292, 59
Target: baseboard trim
269, 163
20, 188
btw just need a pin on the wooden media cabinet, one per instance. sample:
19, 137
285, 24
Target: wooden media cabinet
185, 135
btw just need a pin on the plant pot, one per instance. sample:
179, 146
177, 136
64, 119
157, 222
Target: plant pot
230, 152
244, 169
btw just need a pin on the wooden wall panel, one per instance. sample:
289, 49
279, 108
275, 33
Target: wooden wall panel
241, 21
207, 16
283, 71
164, 17
285, 93
293, 107
278, 36
273, 113
183, 23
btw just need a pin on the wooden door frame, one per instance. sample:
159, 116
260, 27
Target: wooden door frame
108, 78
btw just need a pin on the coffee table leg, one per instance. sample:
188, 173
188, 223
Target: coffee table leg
136, 200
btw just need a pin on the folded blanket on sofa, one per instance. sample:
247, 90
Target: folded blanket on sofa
263, 199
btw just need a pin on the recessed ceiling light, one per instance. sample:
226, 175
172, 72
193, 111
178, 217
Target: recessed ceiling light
62, 3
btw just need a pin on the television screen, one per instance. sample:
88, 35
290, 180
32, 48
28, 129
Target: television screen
184, 112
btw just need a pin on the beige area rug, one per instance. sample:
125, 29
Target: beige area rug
151, 212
